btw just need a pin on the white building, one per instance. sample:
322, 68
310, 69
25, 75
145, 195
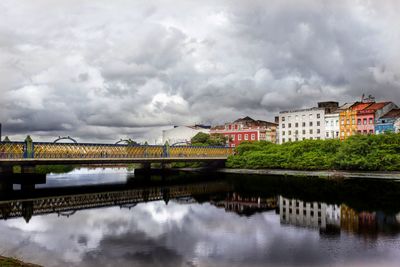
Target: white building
311, 123
302, 124
397, 126
183, 134
332, 127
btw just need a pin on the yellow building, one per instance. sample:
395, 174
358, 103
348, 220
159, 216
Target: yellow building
348, 118
348, 123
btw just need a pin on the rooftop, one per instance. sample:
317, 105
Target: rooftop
394, 113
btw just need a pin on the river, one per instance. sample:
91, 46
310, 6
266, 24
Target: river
110, 217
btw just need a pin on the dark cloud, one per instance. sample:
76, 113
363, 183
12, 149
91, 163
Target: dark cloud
101, 71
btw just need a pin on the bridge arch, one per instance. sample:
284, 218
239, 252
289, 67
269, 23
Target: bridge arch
126, 141
66, 213
65, 138
181, 143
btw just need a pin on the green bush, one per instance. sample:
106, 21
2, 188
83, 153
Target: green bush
359, 152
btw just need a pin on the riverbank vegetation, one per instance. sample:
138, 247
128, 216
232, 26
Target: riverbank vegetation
359, 152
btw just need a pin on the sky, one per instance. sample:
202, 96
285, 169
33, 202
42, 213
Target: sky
104, 70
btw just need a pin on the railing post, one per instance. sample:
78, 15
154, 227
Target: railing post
28, 148
166, 149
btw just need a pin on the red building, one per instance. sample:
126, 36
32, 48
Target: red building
368, 113
246, 129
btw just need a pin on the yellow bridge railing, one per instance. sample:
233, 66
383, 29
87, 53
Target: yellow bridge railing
20, 150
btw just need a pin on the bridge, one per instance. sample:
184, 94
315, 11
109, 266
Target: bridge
29, 153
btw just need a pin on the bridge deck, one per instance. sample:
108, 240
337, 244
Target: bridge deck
50, 161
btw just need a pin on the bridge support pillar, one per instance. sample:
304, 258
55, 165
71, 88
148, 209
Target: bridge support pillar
6, 170
144, 170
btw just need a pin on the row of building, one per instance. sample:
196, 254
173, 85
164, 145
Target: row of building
328, 120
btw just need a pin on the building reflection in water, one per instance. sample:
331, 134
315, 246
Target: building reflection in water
309, 214
332, 219
246, 205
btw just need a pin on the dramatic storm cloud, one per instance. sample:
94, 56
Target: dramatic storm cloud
104, 70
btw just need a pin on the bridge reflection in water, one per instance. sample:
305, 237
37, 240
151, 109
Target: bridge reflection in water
66, 201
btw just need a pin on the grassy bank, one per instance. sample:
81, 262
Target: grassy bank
9, 262
359, 152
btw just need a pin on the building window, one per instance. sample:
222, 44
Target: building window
283, 133
239, 136
246, 137
310, 123
371, 131
296, 118
304, 131
283, 118
365, 121
318, 131
311, 131
318, 116
233, 137
359, 121
348, 121
289, 132
230, 127
304, 124
371, 121
283, 140
327, 134
318, 123
283, 125
353, 121
290, 139
290, 125
236, 127
342, 122
296, 124
296, 132
310, 116
253, 137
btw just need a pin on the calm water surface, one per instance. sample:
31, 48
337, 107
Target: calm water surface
109, 217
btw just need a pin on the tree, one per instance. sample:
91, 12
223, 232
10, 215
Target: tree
203, 139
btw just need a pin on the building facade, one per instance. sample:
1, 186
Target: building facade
360, 117
183, 134
387, 122
332, 128
246, 129
297, 125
